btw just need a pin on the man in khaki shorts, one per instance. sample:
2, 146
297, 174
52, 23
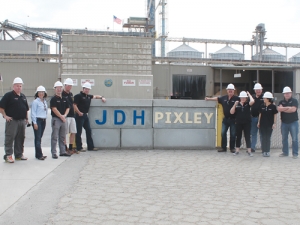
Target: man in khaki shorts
70, 120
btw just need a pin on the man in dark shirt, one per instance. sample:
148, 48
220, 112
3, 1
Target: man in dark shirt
289, 122
70, 120
59, 111
258, 100
14, 108
82, 103
227, 101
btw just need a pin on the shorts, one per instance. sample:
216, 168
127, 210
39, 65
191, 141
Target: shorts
71, 125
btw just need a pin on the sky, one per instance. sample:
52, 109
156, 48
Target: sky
214, 19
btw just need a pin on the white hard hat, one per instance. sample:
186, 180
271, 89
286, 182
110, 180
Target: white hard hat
268, 95
230, 86
41, 88
58, 84
286, 90
87, 85
18, 80
257, 86
243, 94
68, 81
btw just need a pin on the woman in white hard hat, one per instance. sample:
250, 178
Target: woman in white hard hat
38, 117
243, 120
266, 122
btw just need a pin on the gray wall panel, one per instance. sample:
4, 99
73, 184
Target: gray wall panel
106, 138
33, 75
184, 138
137, 138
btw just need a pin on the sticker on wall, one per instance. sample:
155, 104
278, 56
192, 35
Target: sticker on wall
108, 82
91, 81
128, 82
75, 82
144, 82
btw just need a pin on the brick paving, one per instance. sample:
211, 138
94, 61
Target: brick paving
182, 187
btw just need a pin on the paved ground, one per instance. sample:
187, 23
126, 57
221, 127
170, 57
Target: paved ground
162, 187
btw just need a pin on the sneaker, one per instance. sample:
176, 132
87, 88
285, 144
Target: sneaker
236, 153
75, 151
252, 150
54, 156
65, 154
250, 154
266, 154
70, 151
232, 150
282, 155
22, 158
82, 150
295, 157
222, 150
94, 149
9, 159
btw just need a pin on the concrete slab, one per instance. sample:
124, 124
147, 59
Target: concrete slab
184, 138
106, 138
16, 179
137, 138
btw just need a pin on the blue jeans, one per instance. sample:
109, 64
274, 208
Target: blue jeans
228, 123
292, 128
83, 121
254, 130
38, 134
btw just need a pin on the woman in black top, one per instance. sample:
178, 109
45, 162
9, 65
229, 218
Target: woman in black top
266, 122
243, 120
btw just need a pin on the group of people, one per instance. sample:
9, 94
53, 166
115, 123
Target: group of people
245, 113
249, 114
69, 116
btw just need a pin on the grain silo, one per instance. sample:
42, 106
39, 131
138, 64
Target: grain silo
185, 51
269, 55
227, 53
295, 58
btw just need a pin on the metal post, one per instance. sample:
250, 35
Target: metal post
243, 49
221, 82
257, 76
163, 33
273, 82
286, 54
206, 50
251, 51
59, 59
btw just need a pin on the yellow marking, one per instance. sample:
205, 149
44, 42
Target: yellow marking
187, 118
197, 117
158, 116
178, 117
168, 120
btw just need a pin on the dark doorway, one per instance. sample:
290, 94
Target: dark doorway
189, 86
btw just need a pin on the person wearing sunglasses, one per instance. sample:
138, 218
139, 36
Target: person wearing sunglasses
243, 120
38, 117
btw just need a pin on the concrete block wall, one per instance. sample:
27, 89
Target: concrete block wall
153, 124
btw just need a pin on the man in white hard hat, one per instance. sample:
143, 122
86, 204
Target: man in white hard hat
70, 120
82, 103
289, 122
258, 100
227, 101
14, 108
59, 111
